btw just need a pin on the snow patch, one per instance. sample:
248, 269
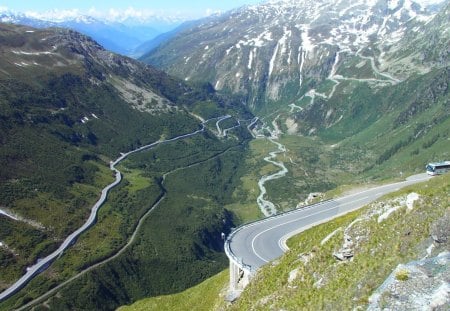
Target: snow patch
32, 53
393, 4
272, 60
307, 44
217, 85
250, 58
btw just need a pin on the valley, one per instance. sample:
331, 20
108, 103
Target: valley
45, 262
123, 180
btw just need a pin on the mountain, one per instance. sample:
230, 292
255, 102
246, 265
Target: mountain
67, 108
367, 81
280, 50
347, 93
121, 37
149, 45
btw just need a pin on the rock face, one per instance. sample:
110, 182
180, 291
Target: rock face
279, 50
346, 251
424, 287
440, 231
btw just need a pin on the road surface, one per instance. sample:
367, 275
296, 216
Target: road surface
253, 245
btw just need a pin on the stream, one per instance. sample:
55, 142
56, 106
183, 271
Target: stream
267, 207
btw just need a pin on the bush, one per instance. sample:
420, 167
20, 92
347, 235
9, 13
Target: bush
402, 275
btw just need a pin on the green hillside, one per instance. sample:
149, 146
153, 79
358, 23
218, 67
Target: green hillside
355, 103
309, 277
67, 108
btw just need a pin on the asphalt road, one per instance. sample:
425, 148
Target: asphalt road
256, 244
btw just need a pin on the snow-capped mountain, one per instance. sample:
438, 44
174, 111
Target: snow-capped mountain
280, 50
122, 36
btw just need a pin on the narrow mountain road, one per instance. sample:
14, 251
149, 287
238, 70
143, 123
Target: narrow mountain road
130, 241
258, 243
44, 263
336, 79
4, 213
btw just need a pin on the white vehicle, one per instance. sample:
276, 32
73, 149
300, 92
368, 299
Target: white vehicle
438, 168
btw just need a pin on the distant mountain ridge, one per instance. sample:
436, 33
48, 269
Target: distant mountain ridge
120, 36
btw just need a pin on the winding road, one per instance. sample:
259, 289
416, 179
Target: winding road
253, 245
44, 263
130, 241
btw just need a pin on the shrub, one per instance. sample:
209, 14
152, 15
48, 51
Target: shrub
402, 275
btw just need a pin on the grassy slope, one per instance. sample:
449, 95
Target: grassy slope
55, 165
401, 238
384, 134
178, 246
382, 137
208, 295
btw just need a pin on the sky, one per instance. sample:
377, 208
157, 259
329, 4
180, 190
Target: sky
182, 8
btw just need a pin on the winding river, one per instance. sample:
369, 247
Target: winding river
267, 207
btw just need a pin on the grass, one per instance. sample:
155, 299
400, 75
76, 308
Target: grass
208, 295
244, 196
402, 275
312, 168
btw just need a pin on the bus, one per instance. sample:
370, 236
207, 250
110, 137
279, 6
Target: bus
438, 168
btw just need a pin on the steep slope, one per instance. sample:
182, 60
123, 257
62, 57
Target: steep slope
403, 227
382, 238
68, 107
278, 51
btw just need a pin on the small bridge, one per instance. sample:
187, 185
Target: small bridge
240, 273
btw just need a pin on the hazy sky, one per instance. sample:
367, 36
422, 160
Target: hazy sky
191, 8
